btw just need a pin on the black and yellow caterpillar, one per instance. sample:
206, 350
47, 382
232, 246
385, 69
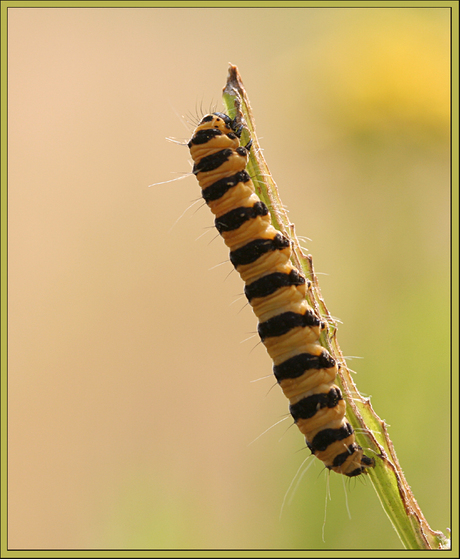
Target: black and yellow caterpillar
276, 290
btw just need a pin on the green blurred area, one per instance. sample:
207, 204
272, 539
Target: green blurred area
131, 410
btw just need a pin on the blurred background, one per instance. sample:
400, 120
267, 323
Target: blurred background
134, 414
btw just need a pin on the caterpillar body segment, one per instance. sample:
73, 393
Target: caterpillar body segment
288, 327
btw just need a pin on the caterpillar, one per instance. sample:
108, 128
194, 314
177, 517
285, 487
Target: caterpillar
288, 327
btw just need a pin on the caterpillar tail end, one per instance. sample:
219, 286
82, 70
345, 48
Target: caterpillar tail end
351, 463
355, 464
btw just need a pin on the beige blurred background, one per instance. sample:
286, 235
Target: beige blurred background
131, 406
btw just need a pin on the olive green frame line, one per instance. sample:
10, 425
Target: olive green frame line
228, 3
387, 476
3, 280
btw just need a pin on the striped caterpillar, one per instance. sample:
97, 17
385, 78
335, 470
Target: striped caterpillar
288, 327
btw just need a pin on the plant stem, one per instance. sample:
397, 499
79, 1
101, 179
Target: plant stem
387, 477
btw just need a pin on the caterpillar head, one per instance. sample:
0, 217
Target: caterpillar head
222, 122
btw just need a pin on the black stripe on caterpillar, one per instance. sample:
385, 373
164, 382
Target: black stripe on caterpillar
288, 327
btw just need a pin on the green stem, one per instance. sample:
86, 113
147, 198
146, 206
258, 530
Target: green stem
387, 477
